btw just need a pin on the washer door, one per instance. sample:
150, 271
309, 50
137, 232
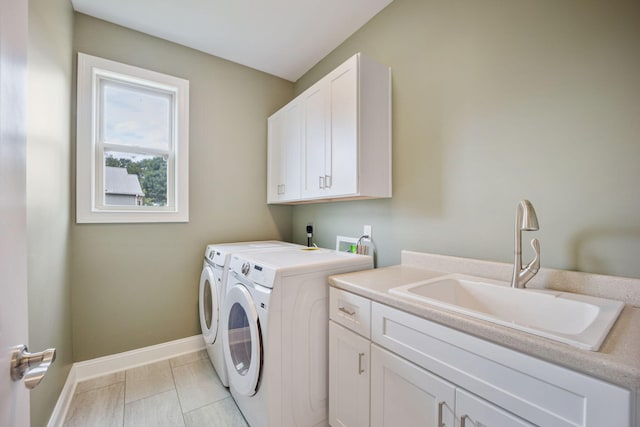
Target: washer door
209, 305
243, 341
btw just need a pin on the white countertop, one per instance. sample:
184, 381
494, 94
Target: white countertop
617, 361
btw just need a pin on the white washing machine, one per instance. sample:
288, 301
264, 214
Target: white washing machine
276, 340
212, 292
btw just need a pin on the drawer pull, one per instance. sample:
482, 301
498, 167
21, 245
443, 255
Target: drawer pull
348, 311
360, 368
463, 420
440, 406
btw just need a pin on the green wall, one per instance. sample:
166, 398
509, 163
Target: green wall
494, 102
48, 194
136, 285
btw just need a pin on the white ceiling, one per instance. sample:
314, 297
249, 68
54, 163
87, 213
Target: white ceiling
280, 37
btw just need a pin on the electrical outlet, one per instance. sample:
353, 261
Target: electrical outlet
367, 231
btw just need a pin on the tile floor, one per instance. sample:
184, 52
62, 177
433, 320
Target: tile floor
184, 391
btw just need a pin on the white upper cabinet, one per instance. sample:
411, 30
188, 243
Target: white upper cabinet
283, 156
344, 145
316, 131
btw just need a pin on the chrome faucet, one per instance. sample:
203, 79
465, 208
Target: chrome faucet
526, 220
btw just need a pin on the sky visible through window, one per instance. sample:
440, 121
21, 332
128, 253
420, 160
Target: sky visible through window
136, 117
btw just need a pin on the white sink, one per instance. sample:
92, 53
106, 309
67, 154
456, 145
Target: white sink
578, 320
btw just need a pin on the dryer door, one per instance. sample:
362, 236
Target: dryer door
242, 341
209, 306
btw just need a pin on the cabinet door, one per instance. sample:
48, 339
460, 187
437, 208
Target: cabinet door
348, 378
283, 153
341, 153
315, 135
403, 394
476, 412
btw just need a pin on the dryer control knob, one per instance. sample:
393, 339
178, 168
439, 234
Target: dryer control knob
245, 268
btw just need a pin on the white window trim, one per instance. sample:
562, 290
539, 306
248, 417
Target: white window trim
90, 68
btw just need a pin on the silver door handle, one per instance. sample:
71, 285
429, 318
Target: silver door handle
360, 368
321, 181
440, 406
463, 420
31, 367
348, 311
328, 181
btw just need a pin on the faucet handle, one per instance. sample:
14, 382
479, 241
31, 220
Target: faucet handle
534, 265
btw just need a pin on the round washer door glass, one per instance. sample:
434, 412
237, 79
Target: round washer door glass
243, 343
208, 305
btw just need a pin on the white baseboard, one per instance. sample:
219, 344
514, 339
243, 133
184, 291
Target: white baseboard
81, 371
64, 400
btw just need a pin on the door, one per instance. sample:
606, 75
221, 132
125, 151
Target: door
276, 163
242, 341
316, 133
403, 394
14, 397
342, 145
283, 153
348, 378
209, 305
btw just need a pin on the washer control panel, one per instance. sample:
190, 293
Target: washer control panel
257, 273
215, 256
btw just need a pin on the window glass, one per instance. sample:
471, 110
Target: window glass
239, 339
208, 304
135, 175
135, 116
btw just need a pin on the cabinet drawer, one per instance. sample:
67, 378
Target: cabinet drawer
351, 311
538, 391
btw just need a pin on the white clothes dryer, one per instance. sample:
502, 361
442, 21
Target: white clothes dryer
276, 340
212, 292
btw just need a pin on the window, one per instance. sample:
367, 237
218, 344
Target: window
132, 144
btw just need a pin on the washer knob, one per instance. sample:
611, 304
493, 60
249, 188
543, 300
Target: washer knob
245, 268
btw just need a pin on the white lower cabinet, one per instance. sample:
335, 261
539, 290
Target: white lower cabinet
348, 378
404, 370
402, 394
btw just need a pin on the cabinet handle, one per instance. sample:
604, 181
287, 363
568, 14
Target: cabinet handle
328, 181
281, 188
440, 406
348, 311
321, 181
360, 368
463, 420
